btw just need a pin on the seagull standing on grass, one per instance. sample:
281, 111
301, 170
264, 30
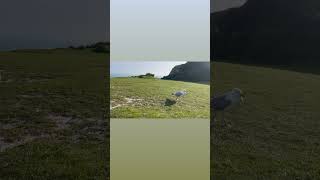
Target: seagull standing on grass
228, 100
179, 94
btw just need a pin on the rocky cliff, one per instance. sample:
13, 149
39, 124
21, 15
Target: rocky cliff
191, 72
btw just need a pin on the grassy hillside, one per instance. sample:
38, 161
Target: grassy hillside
151, 98
276, 133
51, 114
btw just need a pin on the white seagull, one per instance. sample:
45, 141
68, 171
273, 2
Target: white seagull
179, 94
228, 100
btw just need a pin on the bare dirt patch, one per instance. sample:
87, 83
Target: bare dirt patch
31, 96
61, 122
5, 77
78, 129
126, 102
32, 80
4, 145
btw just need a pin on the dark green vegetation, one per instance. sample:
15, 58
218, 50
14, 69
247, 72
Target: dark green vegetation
52, 110
270, 32
152, 98
276, 133
100, 47
147, 75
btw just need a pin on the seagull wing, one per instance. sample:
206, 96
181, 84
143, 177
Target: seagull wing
220, 102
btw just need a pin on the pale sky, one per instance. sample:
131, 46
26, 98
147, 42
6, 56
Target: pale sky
61, 23
160, 30
130, 68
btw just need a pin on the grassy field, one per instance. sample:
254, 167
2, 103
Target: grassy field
52, 110
151, 98
276, 133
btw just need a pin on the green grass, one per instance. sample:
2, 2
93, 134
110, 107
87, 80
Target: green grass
276, 133
151, 98
51, 114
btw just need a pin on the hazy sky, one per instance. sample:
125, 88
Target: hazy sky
122, 69
60, 23
160, 30
52, 23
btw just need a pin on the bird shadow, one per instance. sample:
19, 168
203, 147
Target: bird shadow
169, 102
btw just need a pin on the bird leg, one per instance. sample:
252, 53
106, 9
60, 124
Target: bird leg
213, 119
224, 122
213, 116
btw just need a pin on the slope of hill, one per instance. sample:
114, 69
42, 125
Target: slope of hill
276, 133
52, 104
152, 98
275, 32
